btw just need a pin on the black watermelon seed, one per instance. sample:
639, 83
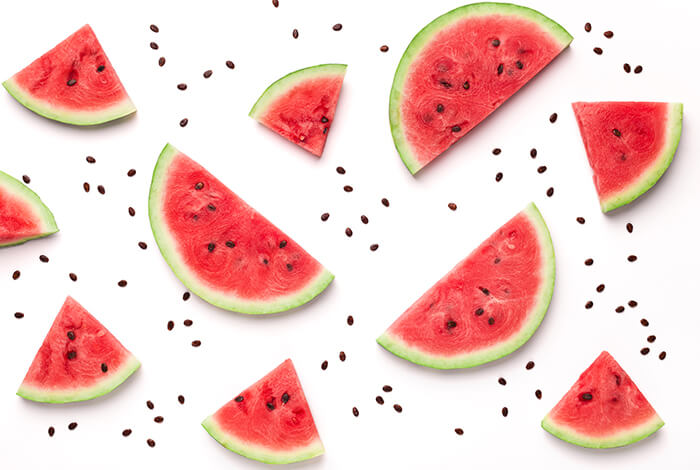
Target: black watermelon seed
456, 128
459, 431
289, 267
207, 73
295, 33
632, 303
502, 381
52, 431
126, 432
154, 28
484, 291
154, 46
131, 173
26, 179
324, 365
630, 227
379, 399
538, 394
495, 43
100, 189
662, 355
384, 48
550, 192
497, 260
324, 120
387, 388
348, 232
15, 275
285, 398
121, 283
479, 311
385, 202
182, 86
580, 220
181, 399
589, 305
632, 258
103, 367
325, 216
19, 315
492, 320
143, 245
398, 408
239, 398
150, 405
541, 169
211, 247
529, 365
499, 176
340, 170
101, 68
275, 3
465, 85
171, 325
186, 296
196, 343
445, 83
132, 212
373, 247
504, 411
616, 132
364, 219
151, 442
347, 188
187, 322
230, 244
211, 207
533, 153
337, 27
608, 34
644, 351
161, 61
72, 425
451, 324
638, 69
44, 258
440, 108
519, 65
158, 419
184, 122
587, 27
283, 243
651, 338
71, 82
626, 67
600, 288
90, 159
499, 70
270, 406
350, 320
496, 151
598, 50
588, 262
620, 309
452, 206
355, 412
199, 186
553, 118
86, 187
73, 277
230, 64
342, 356
586, 396
644, 322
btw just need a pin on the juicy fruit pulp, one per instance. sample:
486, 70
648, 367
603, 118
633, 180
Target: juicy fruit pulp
23, 216
301, 106
460, 68
487, 306
629, 146
270, 421
78, 360
221, 248
603, 409
73, 83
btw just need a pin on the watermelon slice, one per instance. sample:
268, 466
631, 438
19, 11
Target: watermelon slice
270, 421
301, 105
23, 216
78, 360
460, 68
603, 409
73, 83
222, 249
487, 306
629, 145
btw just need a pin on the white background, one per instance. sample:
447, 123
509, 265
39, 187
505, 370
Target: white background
419, 238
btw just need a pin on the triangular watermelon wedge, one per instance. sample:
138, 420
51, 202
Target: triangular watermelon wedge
23, 216
78, 360
270, 421
629, 146
487, 306
73, 83
222, 249
603, 409
301, 105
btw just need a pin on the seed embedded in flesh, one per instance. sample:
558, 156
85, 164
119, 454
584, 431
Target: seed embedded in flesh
500, 69
616, 132
519, 65
586, 396
103, 367
495, 43
230, 244
211, 247
465, 85
440, 108
492, 320
479, 311
445, 83
239, 398
199, 186
289, 267
71, 355
101, 68
451, 324
285, 398
71, 82
283, 243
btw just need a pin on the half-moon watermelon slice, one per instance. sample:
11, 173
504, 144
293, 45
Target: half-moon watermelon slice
270, 421
78, 360
603, 409
487, 306
23, 216
222, 249
461, 67
301, 105
73, 83
629, 145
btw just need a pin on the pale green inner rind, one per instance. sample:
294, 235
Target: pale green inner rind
397, 346
620, 439
260, 453
109, 383
78, 118
14, 186
649, 178
228, 301
426, 34
289, 81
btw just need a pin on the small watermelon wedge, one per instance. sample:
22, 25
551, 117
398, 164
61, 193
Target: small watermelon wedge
222, 249
23, 216
73, 83
487, 306
629, 146
301, 105
78, 360
603, 409
270, 421
460, 68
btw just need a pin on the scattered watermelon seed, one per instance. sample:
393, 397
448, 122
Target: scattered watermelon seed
15, 275
504, 411
158, 419
151, 442
86, 187
154, 46
103, 367
196, 343
385, 202
651, 338
239, 398
398, 408
496, 151
187, 322
632, 258
600, 288
182, 86
632, 303
342, 356
183, 122
529, 365
207, 73
161, 61
132, 212
230, 64
502, 381
73, 277
644, 351
19, 315
598, 50
44, 258
186, 296
171, 325
580, 220
121, 283
150, 405
373, 247
26, 179
364, 219
154, 28
131, 173
608, 34
644, 322
452, 206
348, 232
588, 262
100, 189
626, 67
181, 399
630, 227
553, 118
143, 245
72, 425
533, 153
384, 48
662, 355
638, 69
90, 159
51, 431
459, 431
387, 388
499, 176
340, 170
587, 27
126, 432
355, 412
337, 27
538, 394
324, 365
350, 320
71, 82
325, 216
620, 309
275, 3
589, 305
541, 169
347, 188
550, 192
295, 33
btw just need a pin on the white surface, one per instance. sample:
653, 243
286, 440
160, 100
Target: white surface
419, 238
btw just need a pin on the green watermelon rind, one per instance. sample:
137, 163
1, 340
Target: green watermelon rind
104, 386
652, 175
260, 453
78, 118
289, 81
399, 348
20, 190
620, 439
228, 302
424, 36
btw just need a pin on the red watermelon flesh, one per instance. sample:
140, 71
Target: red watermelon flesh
604, 408
78, 360
73, 83
460, 68
485, 307
270, 421
23, 216
629, 146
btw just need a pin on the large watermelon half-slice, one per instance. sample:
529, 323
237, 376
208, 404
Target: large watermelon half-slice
629, 145
78, 360
73, 83
603, 409
487, 306
460, 68
270, 421
222, 249
301, 105
23, 216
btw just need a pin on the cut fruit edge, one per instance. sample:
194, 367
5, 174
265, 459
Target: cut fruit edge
398, 347
261, 453
420, 40
109, 383
167, 247
23, 192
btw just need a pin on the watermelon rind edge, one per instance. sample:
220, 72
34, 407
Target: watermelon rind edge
167, 248
397, 347
650, 177
104, 386
620, 439
423, 37
19, 189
